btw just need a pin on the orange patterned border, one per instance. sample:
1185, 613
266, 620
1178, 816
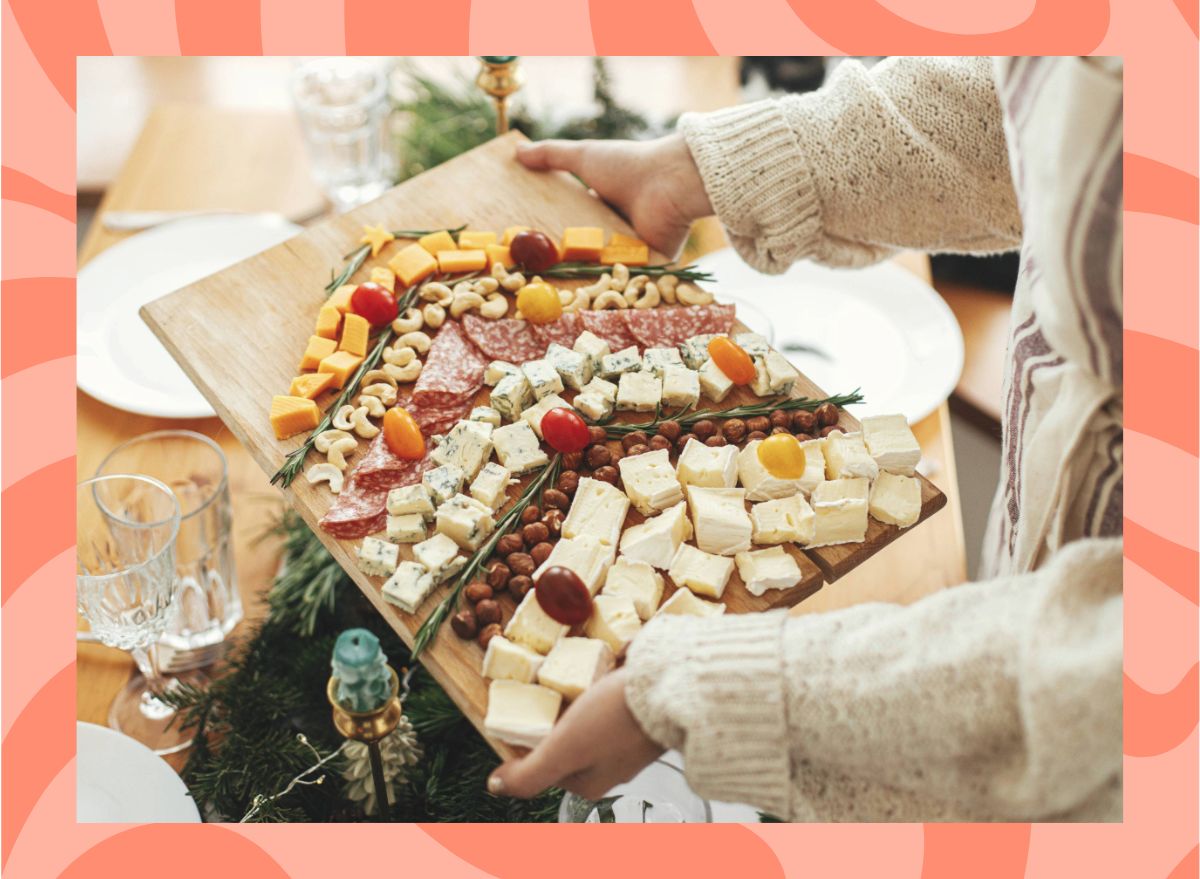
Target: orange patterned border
41, 40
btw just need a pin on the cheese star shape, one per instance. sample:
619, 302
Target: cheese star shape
377, 237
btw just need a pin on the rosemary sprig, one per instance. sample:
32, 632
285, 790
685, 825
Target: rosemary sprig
508, 521
358, 255
569, 271
687, 417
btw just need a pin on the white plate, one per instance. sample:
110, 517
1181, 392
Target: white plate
120, 362
880, 329
120, 781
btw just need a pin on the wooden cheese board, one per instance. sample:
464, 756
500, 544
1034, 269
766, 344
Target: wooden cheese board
237, 335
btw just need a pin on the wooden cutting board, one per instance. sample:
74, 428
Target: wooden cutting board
239, 335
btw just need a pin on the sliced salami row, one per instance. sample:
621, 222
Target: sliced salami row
504, 339
453, 369
659, 327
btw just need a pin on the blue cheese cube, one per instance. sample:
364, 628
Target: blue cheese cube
511, 396
377, 557
592, 347
518, 448
639, 392
490, 487
497, 370
410, 499
486, 414
408, 586
773, 375
656, 360
753, 344
593, 407
602, 387
439, 555
443, 482
533, 415
466, 521
467, 446
680, 387
573, 368
625, 360
408, 528
715, 384
543, 378
695, 350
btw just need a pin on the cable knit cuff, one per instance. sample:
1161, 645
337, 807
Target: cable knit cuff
757, 180
713, 688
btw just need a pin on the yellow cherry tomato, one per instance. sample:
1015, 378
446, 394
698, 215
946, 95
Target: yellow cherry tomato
538, 303
732, 360
782, 455
403, 435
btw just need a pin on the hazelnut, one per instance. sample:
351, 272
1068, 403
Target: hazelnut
779, 429
659, 442
828, 429
520, 585
716, 441
734, 430
803, 421
755, 435
596, 435
487, 612
553, 520
521, 564
704, 428
782, 418
759, 423
598, 456
572, 460
535, 532
489, 632
497, 575
568, 481
509, 543
639, 449
684, 439
530, 514
615, 455
607, 474
826, 414
552, 497
464, 624
670, 429
804, 437
477, 591
541, 551
637, 438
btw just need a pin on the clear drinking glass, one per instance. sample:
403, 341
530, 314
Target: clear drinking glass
659, 794
209, 604
125, 584
342, 104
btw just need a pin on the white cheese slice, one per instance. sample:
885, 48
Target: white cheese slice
534, 414
846, 457
814, 465
840, 507
490, 487
598, 509
783, 520
680, 387
511, 396
891, 443
895, 499
439, 555
408, 586
410, 499
650, 481
637, 580
518, 448
714, 384
639, 392
760, 485
614, 621
764, 569
520, 714
506, 660
408, 528
574, 664
378, 557
532, 626
583, 554
700, 571
467, 446
720, 520
592, 347
683, 602
708, 466
574, 368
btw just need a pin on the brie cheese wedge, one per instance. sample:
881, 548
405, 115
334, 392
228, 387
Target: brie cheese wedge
784, 520
520, 714
840, 507
714, 384
650, 481
720, 520
637, 580
575, 664
614, 621
764, 569
505, 660
760, 485
583, 554
895, 499
656, 540
702, 572
846, 457
533, 627
599, 510
683, 602
891, 443
708, 466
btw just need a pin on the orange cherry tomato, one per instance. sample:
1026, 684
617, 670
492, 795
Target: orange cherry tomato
402, 435
538, 303
782, 456
732, 360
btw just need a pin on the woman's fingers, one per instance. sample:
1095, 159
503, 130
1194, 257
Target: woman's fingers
562, 155
528, 776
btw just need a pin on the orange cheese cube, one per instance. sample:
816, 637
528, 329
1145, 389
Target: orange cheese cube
582, 242
629, 254
384, 277
620, 239
498, 253
342, 365
293, 415
328, 320
412, 264
355, 332
310, 384
318, 349
511, 232
454, 261
340, 298
471, 240
436, 242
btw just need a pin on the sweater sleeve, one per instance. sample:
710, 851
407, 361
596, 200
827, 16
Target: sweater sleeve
910, 154
993, 700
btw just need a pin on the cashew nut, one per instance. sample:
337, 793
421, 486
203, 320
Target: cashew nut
666, 287
408, 322
513, 282
435, 291
325, 473
384, 277
565, 296
463, 287
342, 418
601, 286
335, 444
399, 356
620, 276
377, 375
690, 295
405, 373
362, 423
434, 314
495, 307
418, 341
649, 298
372, 404
609, 299
487, 285
499, 271
579, 302
385, 392
634, 288
464, 302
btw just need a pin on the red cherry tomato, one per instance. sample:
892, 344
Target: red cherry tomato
732, 360
563, 596
533, 250
403, 435
564, 430
374, 302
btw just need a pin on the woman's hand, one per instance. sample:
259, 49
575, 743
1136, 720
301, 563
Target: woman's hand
595, 745
653, 184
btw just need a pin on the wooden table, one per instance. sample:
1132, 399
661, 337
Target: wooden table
931, 558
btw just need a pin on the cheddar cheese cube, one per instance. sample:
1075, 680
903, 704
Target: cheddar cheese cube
471, 240
498, 253
436, 242
412, 264
582, 243
318, 349
311, 384
342, 364
627, 254
355, 332
293, 415
512, 232
455, 261
340, 298
328, 321
620, 239
384, 277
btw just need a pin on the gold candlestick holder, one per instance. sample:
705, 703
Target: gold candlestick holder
370, 727
500, 76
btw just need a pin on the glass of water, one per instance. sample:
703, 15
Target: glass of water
125, 585
342, 104
209, 603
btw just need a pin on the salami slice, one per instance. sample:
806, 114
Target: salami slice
380, 468
670, 325
453, 369
356, 513
563, 331
609, 326
504, 339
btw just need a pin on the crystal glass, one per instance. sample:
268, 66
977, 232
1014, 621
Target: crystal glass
209, 604
342, 104
125, 583
659, 794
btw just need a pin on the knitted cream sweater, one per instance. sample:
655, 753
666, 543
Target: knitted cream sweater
995, 700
